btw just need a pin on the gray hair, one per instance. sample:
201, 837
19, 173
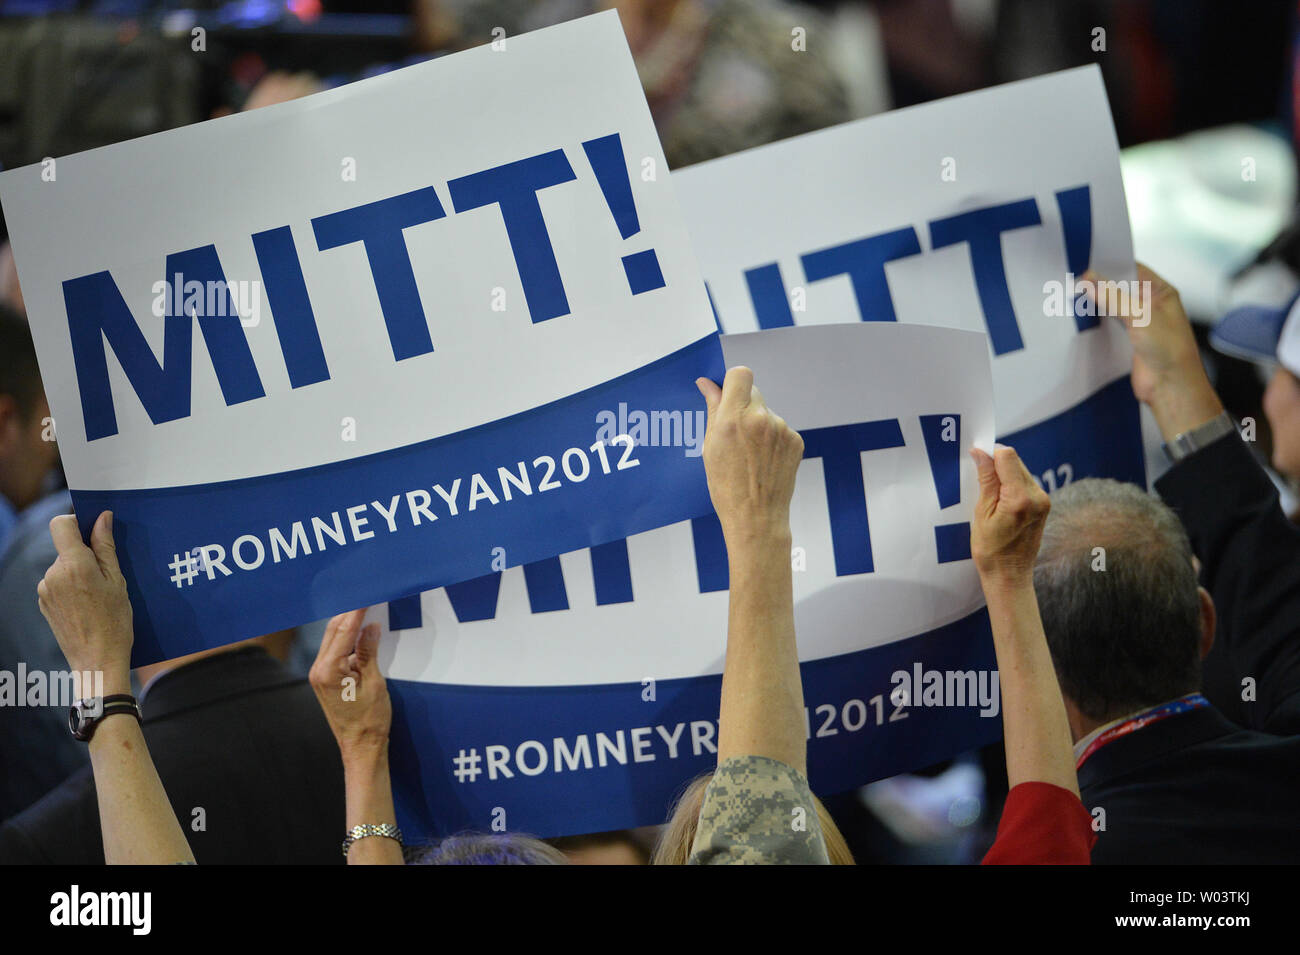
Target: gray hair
1117, 591
488, 848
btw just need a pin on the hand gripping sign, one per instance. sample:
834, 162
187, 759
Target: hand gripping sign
578, 693
346, 348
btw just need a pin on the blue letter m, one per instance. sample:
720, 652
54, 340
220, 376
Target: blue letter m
97, 312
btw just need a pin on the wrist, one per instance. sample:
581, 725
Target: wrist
364, 754
115, 729
760, 532
98, 680
1006, 582
1184, 404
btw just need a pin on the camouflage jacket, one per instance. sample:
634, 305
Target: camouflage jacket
758, 811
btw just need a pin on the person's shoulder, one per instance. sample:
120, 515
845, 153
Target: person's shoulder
1206, 769
28, 547
61, 827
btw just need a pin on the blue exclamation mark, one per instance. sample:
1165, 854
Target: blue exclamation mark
942, 433
607, 162
1076, 223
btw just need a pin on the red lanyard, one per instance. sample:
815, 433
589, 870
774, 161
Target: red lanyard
1184, 704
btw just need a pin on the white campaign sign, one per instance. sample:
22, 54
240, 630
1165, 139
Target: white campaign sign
819, 379
970, 212
402, 287
555, 652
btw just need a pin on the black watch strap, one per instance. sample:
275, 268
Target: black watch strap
86, 715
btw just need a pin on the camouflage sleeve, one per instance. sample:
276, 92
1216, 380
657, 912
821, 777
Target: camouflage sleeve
758, 811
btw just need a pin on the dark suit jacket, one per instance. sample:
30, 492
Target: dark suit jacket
1193, 788
1196, 787
235, 735
1250, 564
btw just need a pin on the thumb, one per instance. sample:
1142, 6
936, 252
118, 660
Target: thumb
711, 392
1091, 283
101, 542
988, 476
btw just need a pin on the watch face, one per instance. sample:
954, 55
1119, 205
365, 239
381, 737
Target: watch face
81, 717
76, 719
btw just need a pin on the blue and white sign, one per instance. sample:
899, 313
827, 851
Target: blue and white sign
351, 347
578, 693
974, 212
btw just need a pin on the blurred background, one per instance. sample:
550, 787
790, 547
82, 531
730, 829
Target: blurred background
1197, 87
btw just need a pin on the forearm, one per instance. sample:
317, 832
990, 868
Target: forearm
762, 693
369, 801
1037, 734
138, 824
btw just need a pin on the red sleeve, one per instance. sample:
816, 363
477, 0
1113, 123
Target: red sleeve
1042, 824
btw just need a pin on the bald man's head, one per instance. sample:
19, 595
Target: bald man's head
1117, 589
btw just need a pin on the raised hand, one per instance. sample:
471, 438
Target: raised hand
751, 457
1009, 518
349, 685
83, 596
1167, 372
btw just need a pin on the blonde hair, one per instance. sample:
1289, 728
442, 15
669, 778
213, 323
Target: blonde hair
678, 835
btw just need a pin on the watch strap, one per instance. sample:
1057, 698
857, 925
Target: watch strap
386, 829
108, 706
1189, 442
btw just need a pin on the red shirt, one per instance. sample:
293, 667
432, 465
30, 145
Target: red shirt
1042, 824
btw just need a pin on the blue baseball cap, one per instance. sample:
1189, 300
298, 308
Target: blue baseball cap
1264, 324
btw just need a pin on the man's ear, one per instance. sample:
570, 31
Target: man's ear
1080, 725
1208, 620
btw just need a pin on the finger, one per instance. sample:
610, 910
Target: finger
1115, 303
1146, 274
737, 389
1159, 289
368, 648
712, 394
101, 542
66, 536
988, 475
341, 636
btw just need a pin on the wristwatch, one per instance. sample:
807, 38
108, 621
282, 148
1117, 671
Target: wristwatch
385, 829
85, 715
1192, 441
